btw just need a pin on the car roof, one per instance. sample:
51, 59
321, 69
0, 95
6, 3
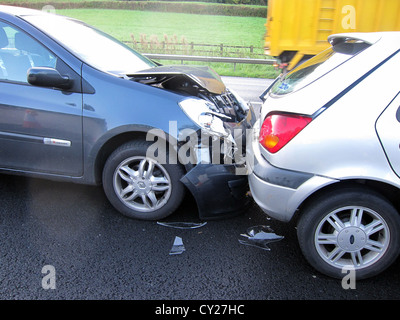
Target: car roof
20, 11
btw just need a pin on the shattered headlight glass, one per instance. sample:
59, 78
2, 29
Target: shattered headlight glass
203, 114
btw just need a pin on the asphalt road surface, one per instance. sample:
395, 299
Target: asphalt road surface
61, 241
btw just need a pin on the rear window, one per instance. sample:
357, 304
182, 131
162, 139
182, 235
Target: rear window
317, 66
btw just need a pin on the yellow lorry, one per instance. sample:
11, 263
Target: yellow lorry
298, 29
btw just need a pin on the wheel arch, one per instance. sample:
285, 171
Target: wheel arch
109, 146
117, 140
390, 192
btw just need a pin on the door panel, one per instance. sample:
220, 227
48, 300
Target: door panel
40, 128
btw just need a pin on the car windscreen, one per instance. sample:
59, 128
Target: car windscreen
317, 66
91, 45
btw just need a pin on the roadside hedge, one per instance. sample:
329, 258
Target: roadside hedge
159, 6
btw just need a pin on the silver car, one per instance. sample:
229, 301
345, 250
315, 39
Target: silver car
325, 152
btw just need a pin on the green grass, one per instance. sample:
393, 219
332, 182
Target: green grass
240, 31
39, 1
197, 28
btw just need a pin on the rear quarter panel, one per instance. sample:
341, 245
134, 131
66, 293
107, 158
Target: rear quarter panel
342, 142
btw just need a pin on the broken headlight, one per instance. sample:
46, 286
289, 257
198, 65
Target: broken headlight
204, 114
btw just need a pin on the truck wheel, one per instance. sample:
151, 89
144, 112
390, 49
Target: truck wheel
139, 186
351, 229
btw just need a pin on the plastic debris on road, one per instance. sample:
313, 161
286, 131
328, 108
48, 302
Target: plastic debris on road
177, 247
182, 225
260, 237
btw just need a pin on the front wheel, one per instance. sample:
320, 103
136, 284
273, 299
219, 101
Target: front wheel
351, 228
139, 186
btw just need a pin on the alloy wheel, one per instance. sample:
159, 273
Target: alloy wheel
142, 184
352, 236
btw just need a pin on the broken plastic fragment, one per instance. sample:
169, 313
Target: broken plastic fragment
260, 237
182, 225
177, 247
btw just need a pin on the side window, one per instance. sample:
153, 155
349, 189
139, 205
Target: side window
19, 52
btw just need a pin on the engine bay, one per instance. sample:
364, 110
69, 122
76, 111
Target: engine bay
201, 82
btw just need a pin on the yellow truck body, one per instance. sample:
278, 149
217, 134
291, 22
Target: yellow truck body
298, 29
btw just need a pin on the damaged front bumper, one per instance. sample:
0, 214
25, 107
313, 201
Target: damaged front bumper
219, 192
219, 183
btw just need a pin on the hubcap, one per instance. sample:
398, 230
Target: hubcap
352, 236
142, 184
352, 239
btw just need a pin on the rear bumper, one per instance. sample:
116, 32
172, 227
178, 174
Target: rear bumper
280, 192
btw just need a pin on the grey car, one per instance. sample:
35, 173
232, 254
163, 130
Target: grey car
326, 154
77, 105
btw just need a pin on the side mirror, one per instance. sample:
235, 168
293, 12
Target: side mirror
48, 77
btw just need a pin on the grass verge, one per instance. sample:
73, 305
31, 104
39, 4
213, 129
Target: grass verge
241, 31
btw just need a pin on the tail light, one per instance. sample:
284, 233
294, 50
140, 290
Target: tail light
278, 129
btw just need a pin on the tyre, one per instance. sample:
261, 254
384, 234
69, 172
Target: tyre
351, 228
140, 187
